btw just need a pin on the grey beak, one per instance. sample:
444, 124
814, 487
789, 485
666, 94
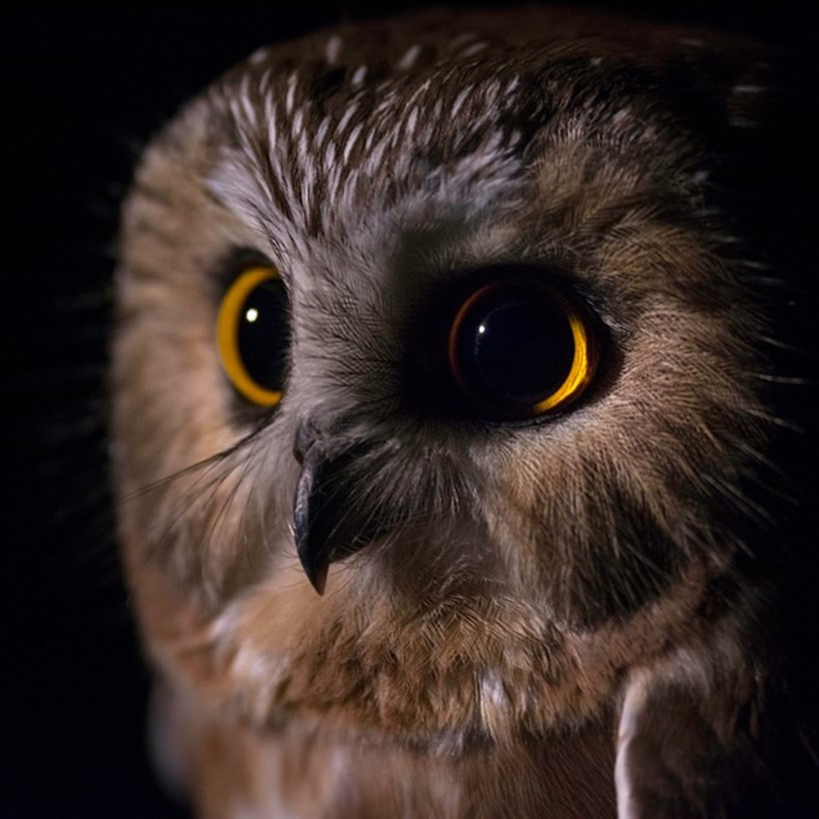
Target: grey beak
312, 545
330, 520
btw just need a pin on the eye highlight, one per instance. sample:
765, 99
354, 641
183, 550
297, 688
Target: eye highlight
253, 335
520, 349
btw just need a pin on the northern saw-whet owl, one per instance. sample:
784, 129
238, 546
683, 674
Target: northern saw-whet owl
439, 416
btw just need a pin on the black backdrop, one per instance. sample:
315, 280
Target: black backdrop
87, 86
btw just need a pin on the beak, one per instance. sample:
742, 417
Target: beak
308, 503
325, 528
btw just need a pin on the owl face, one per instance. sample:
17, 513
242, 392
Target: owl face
450, 331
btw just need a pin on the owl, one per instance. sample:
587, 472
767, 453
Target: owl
442, 429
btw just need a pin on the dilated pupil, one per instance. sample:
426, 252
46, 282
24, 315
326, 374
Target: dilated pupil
264, 335
516, 348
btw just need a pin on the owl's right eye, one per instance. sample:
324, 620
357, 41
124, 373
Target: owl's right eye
253, 334
519, 349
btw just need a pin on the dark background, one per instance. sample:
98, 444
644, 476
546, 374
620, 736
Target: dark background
87, 86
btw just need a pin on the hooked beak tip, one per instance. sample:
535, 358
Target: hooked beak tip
312, 553
313, 561
318, 579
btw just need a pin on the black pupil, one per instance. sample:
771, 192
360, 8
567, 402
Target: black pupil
264, 334
515, 346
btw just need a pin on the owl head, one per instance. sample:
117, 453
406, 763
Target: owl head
437, 373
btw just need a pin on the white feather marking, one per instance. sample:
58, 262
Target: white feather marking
244, 99
416, 95
305, 154
358, 76
333, 49
750, 89
374, 159
304, 194
264, 80
271, 129
345, 119
385, 104
412, 121
492, 691
291, 93
462, 39
329, 156
409, 57
258, 56
491, 91
473, 49
321, 133
297, 122
460, 100
633, 704
334, 182
351, 140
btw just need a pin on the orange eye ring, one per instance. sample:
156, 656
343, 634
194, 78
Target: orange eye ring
233, 312
583, 363
473, 321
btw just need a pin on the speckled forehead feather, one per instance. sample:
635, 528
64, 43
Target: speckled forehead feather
320, 153
347, 127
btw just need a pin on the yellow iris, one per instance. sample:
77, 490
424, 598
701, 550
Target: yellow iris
582, 367
583, 351
232, 312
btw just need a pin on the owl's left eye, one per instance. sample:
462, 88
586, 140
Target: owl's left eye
518, 349
253, 335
